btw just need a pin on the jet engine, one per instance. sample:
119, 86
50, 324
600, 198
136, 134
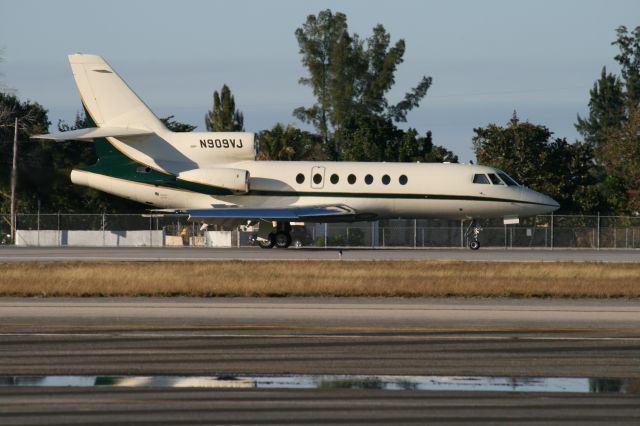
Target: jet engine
236, 180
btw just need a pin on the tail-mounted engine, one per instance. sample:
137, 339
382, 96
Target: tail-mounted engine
236, 180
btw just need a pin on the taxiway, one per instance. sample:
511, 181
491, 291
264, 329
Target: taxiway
28, 254
450, 337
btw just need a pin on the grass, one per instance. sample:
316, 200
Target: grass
318, 278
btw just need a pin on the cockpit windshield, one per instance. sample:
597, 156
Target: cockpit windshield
481, 178
495, 180
508, 179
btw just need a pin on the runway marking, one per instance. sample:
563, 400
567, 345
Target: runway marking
310, 306
326, 336
251, 254
487, 328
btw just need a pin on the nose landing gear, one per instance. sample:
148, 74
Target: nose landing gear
472, 235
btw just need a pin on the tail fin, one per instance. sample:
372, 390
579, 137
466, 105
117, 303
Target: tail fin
107, 98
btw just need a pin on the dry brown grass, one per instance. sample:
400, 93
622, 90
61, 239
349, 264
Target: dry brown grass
388, 278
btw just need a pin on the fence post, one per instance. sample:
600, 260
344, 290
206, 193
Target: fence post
598, 234
59, 232
626, 237
511, 236
325, 235
415, 231
505, 235
374, 233
38, 222
461, 233
551, 237
103, 230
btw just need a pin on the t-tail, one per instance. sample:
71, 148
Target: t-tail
108, 99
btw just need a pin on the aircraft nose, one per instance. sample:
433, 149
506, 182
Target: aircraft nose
546, 203
553, 202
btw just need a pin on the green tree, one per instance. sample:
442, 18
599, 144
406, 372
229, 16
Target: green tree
44, 168
288, 143
620, 156
421, 148
611, 128
350, 79
629, 59
69, 154
176, 126
32, 166
552, 166
224, 117
606, 109
368, 137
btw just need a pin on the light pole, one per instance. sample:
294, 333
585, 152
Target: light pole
14, 178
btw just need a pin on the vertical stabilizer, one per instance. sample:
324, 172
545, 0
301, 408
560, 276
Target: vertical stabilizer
107, 98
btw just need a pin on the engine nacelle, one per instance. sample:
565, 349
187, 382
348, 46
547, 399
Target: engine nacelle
236, 180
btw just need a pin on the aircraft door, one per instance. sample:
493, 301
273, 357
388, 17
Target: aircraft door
317, 177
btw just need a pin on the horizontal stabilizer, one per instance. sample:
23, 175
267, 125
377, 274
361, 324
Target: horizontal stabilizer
291, 214
93, 132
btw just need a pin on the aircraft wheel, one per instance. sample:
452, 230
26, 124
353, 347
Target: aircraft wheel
474, 245
268, 244
282, 239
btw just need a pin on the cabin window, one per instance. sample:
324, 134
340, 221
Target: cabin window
386, 179
495, 179
351, 179
507, 179
317, 178
368, 179
403, 179
481, 178
300, 178
334, 178
143, 169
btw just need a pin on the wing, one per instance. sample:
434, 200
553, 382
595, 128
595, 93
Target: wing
326, 213
93, 132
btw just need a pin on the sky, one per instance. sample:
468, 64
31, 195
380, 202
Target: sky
487, 58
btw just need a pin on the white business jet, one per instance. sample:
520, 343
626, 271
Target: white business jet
215, 177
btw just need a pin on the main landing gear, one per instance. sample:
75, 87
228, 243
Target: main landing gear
279, 237
472, 235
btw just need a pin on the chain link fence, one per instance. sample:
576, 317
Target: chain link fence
544, 232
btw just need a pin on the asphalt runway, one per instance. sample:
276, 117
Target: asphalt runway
28, 254
368, 336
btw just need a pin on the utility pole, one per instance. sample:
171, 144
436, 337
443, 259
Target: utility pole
14, 178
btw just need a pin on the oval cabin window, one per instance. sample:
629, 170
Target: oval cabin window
403, 179
300, 178
351, 179
386, 179
368, 179
334, 178
317, 178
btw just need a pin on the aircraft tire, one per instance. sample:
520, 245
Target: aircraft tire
474, 245
270, 243
282, 239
